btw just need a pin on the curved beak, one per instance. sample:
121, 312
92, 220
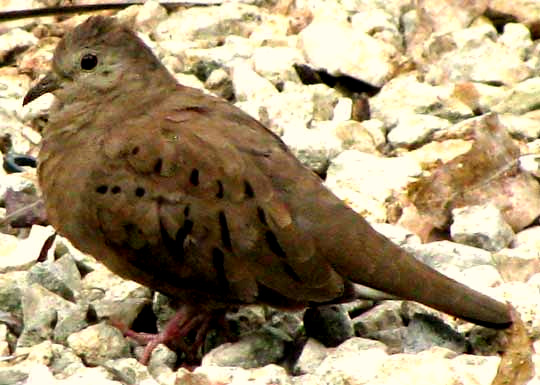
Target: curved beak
47, 84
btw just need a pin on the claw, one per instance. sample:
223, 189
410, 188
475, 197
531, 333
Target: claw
177, 328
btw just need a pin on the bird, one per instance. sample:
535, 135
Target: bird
186, 194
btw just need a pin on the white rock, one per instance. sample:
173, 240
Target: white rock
150, 15
90, 376
40, 375
405, 94
528, 238
474, 370
207, 23
530, 163
489, 96
307, 379
189, 80
352, 362
313, 147
296, 116
130, 371
521, 98
15, 38
380, 24
482, 276
25, 253
336, 47
429, 369
521, 127
415, 129
481, 226
99, 343
377, 131
517, 37
276, 63
269, 374
274, 32
113, 297
222, 374
313, 353
365, 181
354, 135
525, 11
18, 182
342, 110
249, 85
446, 255
235, 49
489, 62
525, 299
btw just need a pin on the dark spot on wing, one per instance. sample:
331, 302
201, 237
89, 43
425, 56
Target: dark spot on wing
102, 189
248, 190
274, 245
158, 165
224, 228
194, 177
220, 192
262, 216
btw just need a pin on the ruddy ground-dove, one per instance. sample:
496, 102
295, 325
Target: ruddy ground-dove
187, 194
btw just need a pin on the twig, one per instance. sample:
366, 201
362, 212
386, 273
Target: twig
13, 214
66, 10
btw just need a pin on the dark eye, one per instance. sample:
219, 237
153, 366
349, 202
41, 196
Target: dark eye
89, 61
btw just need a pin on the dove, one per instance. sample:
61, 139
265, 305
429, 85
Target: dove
187, 194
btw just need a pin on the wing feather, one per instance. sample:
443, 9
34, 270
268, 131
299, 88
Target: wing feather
207, 191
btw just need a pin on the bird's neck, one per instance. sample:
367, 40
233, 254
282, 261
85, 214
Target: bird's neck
137, 91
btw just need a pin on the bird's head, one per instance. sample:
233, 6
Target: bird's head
96, 57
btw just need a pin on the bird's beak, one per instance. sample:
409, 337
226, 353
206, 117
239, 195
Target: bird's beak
47, 84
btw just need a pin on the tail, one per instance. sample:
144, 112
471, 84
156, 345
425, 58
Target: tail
386, 267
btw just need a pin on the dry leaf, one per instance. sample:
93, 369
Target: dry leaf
488, 172
516, 367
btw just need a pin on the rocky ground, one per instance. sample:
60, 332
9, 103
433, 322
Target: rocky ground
422, 115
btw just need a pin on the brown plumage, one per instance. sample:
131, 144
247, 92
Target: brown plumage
187, 194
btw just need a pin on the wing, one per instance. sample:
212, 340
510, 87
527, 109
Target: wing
197, 194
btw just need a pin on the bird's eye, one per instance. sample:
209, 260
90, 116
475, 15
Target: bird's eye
89, 61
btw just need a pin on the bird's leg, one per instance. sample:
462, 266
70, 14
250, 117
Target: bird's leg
186, 320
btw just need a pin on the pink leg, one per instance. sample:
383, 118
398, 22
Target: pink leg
179, 326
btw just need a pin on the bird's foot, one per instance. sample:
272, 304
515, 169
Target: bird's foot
186, 320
